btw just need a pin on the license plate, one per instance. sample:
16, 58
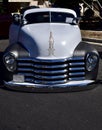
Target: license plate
18, 78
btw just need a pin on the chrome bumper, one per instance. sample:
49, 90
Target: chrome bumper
69, 86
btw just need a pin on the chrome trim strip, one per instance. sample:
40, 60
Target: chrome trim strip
47, 82
77, 69
78, 78
50, 72
43, 71
51, 77
76, 73
76, 58
26, 74
42, 66
43, 60
77, 63
50, 60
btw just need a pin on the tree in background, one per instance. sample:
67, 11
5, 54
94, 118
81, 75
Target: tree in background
66, 3
71, 4
74, 4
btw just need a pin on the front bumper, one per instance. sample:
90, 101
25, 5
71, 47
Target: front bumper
69, 86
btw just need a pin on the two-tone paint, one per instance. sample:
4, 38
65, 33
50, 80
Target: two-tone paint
48, 55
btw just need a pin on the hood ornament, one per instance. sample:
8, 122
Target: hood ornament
51, 45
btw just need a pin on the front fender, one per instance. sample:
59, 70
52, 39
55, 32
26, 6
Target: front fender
18, 50
83, 49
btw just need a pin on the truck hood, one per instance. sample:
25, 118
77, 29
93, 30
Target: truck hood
50, 41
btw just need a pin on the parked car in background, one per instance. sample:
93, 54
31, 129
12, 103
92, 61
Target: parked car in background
46, 52
5, 22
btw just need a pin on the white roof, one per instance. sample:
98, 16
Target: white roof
50, 9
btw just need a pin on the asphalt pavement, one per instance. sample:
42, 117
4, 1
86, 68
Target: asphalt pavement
51, 111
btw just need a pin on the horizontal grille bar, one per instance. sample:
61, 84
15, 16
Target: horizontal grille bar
77, 74
46, 82
77, 69
39, 66
77, 64
46, 61
77, 78
51, 77
51, 71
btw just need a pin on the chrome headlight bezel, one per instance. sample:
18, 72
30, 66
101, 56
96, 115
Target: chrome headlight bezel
10, 61
91, 61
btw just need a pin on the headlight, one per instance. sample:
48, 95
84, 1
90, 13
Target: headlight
10, 62
91, 61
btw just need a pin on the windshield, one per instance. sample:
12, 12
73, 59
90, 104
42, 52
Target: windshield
49, 17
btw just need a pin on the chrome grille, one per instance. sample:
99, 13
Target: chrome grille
51, 71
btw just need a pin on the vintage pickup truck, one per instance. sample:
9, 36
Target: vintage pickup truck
46, 52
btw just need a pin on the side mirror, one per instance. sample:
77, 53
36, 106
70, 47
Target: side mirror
16, 19
76, 20
73, 21
69, 20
